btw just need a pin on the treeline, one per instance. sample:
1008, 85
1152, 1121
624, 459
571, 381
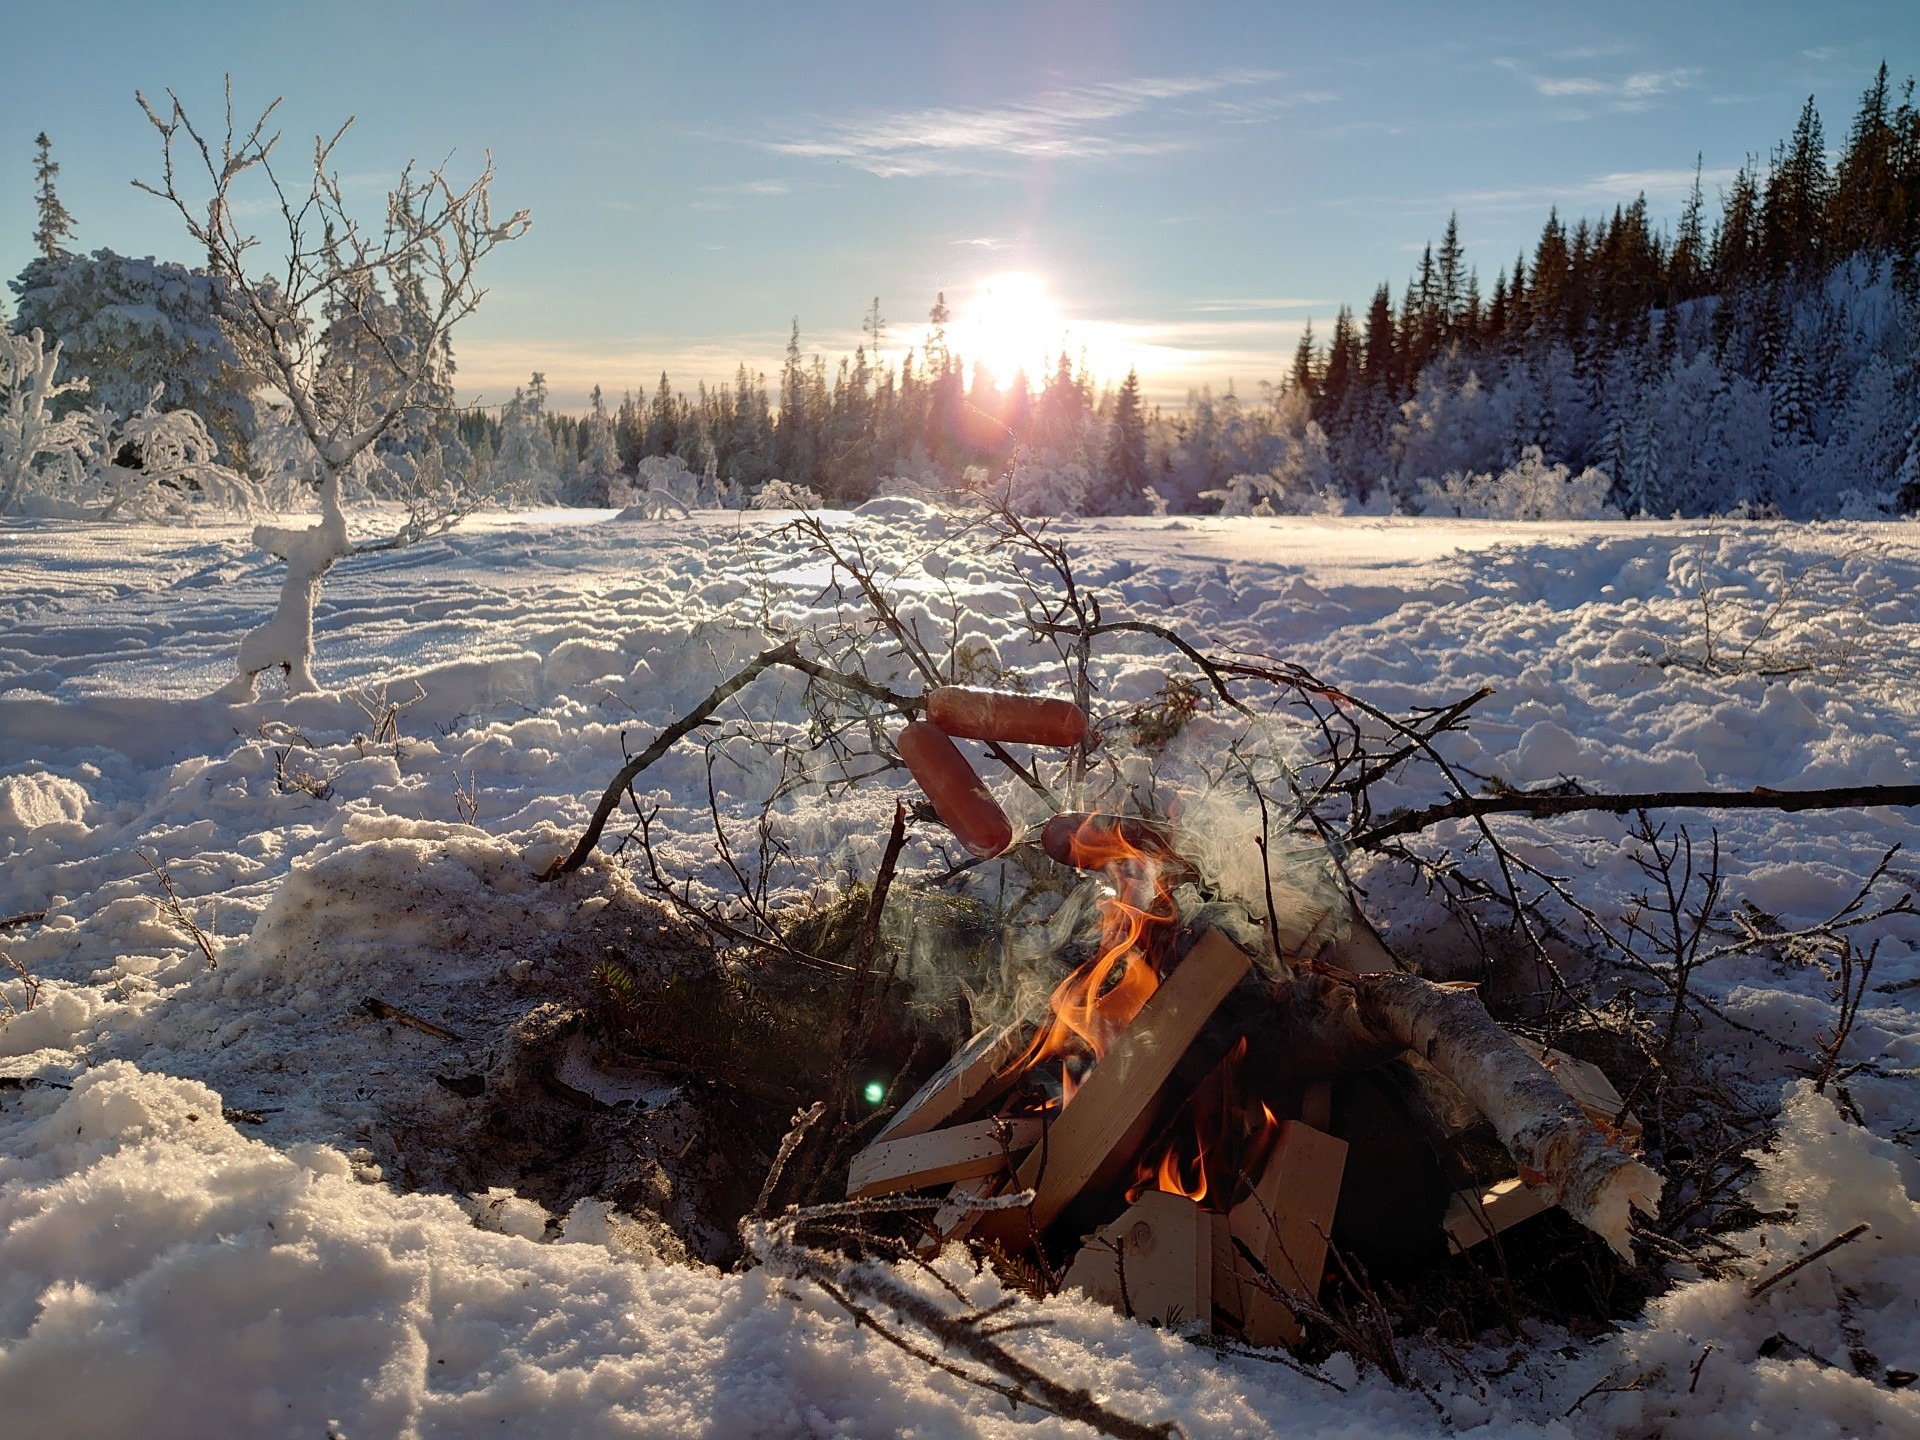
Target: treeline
928, 419
1760, 358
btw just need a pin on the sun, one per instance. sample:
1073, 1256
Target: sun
1010, 325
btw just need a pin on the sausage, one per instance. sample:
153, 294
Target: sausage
1090, 841
998, 715
957, 793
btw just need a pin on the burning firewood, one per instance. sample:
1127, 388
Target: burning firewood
1087, 1146
1284, 1224
1154, 1094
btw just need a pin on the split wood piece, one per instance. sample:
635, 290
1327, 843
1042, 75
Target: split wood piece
1476, 1215
959, 1153
1284, 1224
1154, 1263
1592, 1092
1087, 1146
965, 1081
956, 1217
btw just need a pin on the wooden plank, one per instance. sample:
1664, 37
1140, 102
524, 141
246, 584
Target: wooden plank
1163, 1243
1083, 1145
1476, 1215
1592, 1092
1285, 1223
965, 1080
958, 1153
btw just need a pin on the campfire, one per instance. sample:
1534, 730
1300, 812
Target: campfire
1161, 1129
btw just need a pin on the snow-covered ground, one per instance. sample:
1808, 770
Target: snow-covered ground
165, 1270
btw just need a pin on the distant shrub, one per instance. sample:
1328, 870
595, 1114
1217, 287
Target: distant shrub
1530, 490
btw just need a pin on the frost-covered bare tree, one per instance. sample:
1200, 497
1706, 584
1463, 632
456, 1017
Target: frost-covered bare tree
336, 270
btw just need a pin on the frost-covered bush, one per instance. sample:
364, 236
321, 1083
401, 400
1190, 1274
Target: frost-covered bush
1040, 482
41, 453
661, 486
65, 464
177, 469
1531, 490
779, 494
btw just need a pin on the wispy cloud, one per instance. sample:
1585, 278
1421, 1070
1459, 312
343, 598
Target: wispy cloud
1255, 304
984, 242
1110, 120
1633, 90
1661, 187
731, 197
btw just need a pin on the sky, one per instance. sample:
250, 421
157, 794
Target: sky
1180, 189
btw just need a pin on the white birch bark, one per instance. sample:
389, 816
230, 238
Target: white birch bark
1586, 1169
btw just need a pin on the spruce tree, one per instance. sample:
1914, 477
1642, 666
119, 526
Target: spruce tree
1304, 377
1793, 216
1127, 447
56, 225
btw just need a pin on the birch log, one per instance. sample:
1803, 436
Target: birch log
1551, 1139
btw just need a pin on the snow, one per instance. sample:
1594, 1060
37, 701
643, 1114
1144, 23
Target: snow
165, 1270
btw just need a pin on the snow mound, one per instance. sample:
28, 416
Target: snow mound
1808, 1356
31, 800
157, 1269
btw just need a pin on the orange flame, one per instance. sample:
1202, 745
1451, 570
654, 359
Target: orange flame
1093, 1005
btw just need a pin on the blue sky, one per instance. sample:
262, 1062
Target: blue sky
1187, 186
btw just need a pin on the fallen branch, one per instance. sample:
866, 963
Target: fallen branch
1545, 1132
1539, 806
787, 655
970, 1333
381, 1010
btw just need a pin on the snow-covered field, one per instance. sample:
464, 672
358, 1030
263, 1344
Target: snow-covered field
168, 1271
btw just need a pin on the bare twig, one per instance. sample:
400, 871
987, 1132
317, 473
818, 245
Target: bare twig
381, 1010
1760, 1287
787, 654
29, 986
879, 1300
170, 906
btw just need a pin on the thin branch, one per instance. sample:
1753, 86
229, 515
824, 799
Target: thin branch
1760, 1287
1539, 806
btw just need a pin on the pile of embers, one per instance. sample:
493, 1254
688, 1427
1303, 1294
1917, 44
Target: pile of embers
1168, 1113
